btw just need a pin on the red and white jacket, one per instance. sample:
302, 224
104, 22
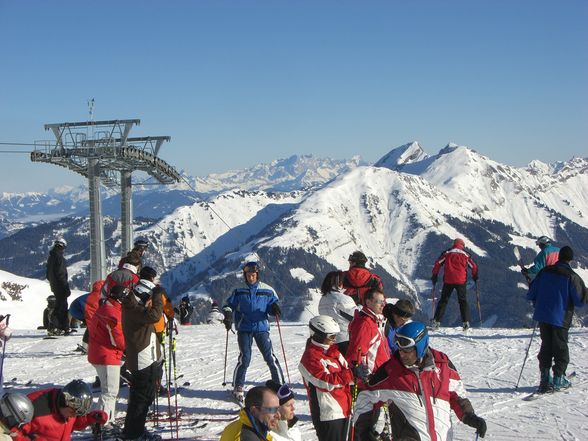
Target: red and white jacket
107, 342
93, 301
420, 399
456, 262
357, 280
125, 276
327, 378
367, 342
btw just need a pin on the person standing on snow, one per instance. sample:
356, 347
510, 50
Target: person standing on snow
338, 305
554, 293
215, 316
185, 311
456, 262
327, 379
358, 279
57, 277
549, 255
397, 314
5, 334
420, 385
248, 307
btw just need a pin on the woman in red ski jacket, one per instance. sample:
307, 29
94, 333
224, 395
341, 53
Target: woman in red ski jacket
327, 378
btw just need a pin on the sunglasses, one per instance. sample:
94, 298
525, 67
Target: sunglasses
270, 410
379, 302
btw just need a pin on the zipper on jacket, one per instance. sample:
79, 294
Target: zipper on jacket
433, 390
418, 394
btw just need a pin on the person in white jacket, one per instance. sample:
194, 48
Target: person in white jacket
285, 431
5, 334
337, 305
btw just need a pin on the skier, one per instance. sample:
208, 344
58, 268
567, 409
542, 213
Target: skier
57, 277
420, 385
548, 255
397, 314
58, 412
257, 418
327, 379
456, 262
91, 305
141, 309
186, 309
5, 334
126, 275
251, 306
368, 347
215, 316
554, 293
15, 410
106, 348
285, 430
48, 312
358, 279
337, 305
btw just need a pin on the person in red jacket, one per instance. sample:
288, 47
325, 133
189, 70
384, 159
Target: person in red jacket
327, 378
456, 263
106, 348
358, 279
126, 275
420, 385
58, 412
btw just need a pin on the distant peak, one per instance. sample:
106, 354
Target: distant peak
401, 156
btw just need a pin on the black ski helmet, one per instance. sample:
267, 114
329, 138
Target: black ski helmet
251, 267
77, 395
148, 273
357, 258
141, 243
15, 409
51, 301
118, 292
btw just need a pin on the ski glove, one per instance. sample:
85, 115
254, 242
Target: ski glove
473, 420
275, 310
362, 372
228, 320
475, 277
97, 417
434, 278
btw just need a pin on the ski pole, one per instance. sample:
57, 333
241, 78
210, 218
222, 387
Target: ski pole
283, 350
4, 339
517, 255
175, 382
433, 302
526, 355
226, 351
350, 431
478, 301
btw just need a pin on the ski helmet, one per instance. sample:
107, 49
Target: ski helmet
543, 241
141, 243
357, 258
60, 242
413, 334
51, 301
147, 273
118, 292
78, 396
16, 409
251, 267
323, 325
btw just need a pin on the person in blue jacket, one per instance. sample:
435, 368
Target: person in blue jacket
555, 292
248, 308
548, 255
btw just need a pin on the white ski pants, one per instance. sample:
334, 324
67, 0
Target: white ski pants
109, 384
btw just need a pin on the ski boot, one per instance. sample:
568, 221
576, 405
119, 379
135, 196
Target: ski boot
239, 394
466, 326
546, 383
561, 382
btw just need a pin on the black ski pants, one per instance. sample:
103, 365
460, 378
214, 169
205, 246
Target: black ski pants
141, 396
59, 317
333, 430
554, 349
461, 298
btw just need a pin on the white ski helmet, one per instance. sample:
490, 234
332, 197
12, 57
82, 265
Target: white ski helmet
324, 325
543, 241
15, 409
60, 241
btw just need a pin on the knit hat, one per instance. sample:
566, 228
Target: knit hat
566, 254
283, 391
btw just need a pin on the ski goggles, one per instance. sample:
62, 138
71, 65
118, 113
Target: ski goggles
80, 405
406, 343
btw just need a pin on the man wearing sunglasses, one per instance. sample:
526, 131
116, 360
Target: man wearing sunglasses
257, 418
420, 385
58, 412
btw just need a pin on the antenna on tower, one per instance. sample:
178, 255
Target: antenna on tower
91, 108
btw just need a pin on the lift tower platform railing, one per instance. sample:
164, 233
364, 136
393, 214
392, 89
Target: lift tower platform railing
103, 152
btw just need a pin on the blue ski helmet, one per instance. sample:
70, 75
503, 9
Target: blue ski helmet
251, 267
413, 334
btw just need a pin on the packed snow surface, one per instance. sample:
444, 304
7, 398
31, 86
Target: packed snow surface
489, 361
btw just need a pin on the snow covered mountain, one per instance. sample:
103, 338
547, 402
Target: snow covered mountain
402, 212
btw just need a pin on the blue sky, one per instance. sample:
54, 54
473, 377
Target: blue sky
235, 83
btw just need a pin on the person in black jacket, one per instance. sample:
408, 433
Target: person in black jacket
57, 277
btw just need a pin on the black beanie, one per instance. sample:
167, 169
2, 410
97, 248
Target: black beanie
287, 396
566, 254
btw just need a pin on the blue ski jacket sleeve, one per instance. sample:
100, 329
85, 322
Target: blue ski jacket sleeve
547, 256
78, 306
250, 305
555, 292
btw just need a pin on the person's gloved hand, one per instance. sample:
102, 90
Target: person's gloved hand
228, 320
434, 279
473, 420
275, 310
475, 277
97, 417
361, 371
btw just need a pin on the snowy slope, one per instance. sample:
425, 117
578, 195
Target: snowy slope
488, 360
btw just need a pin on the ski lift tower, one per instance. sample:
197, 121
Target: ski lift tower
103, 152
